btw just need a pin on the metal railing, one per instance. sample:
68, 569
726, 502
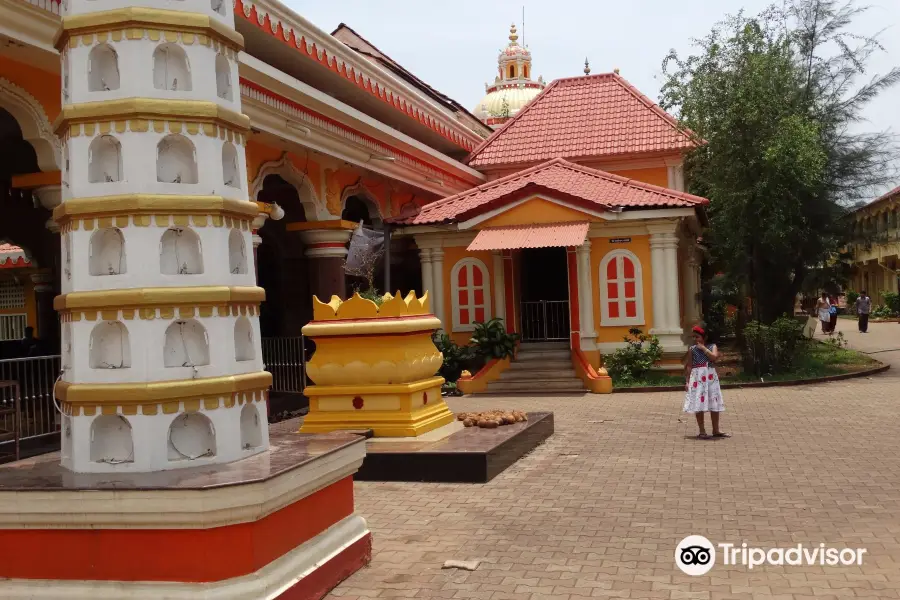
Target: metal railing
285, 359
36, 376
545, 320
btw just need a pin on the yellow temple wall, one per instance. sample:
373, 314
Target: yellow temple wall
536, 210
640, 246
453, 255
655, 176
30, 308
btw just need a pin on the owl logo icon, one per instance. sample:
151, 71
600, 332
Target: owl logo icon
695, 555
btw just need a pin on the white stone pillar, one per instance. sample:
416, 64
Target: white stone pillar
499, 286
675, 172
427, 275
691, 287
437, 260
666, 303
585, 292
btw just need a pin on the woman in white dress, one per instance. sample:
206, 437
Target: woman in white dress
703, 393
823, 311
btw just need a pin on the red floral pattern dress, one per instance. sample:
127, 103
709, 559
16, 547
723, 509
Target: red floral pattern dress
703, 391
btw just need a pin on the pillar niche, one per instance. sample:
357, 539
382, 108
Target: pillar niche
327, 251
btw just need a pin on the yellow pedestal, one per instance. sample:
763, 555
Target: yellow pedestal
374, 368
403, 410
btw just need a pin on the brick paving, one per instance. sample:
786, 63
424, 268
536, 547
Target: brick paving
596, 512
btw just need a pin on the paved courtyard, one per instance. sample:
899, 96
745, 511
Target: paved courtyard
596, 512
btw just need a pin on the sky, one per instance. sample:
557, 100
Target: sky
453, 46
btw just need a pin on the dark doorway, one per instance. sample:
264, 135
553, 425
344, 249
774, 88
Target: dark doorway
281, 267
544, 294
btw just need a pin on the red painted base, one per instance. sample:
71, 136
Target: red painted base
317, 584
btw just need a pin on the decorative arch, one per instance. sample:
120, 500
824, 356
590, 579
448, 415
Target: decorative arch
359, 190
470, 294
621, 289
36, 127
284, 168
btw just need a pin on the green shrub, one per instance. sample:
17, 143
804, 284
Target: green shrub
371, 294
492, 341
851, 299
882, 312
892, 301
634, 360
456, 357
775, 348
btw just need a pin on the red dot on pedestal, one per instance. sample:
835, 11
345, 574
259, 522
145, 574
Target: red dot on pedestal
357, 403
424, 397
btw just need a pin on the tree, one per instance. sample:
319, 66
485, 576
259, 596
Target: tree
367, 260
773, 100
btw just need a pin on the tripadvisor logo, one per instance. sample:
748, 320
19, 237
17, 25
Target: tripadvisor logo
696, 555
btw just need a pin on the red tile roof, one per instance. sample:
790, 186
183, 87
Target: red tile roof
550, 235
581, 117
591, 188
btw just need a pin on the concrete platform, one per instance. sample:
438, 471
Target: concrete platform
468, 455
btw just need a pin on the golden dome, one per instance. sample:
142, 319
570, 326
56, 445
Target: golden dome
513, 87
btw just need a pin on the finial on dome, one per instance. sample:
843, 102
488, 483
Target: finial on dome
513, 36
616, 70
587, 67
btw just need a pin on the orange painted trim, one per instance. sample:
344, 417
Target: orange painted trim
509, 292
300, 108
311, 225
480, 380
595, 383
178, 555
574, 316
30, 181
321, 57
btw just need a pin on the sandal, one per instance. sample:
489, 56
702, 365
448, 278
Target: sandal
703, 436
721, 435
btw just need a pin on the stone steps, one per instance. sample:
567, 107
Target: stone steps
539, 368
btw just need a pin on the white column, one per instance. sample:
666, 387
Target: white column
585, 292
427, 275
691, 283
657, 271
437, 258
666, 303
675, 171
673, 301
499, 287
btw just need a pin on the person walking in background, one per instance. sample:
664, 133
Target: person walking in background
823, 312
702, 392
833, 312
863, 308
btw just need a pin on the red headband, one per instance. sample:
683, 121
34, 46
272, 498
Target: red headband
699, 330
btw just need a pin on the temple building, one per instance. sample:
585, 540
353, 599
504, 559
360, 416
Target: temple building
179, 179
513, 87
569, 221
876, 246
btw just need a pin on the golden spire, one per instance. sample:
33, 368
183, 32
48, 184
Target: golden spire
513, 36
587, 67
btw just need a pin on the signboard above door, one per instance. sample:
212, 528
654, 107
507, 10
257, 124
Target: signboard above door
619, 240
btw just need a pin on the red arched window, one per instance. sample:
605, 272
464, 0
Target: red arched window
621, 289
471, 294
